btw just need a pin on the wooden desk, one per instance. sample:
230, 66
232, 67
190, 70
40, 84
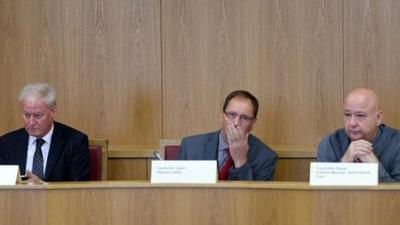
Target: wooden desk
228, 203
134, 162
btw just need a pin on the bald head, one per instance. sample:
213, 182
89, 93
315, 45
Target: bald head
362, 114
363, 96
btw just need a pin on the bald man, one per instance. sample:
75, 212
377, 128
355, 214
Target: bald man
364, 138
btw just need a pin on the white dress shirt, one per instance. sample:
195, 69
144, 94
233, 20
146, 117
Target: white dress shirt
32, 149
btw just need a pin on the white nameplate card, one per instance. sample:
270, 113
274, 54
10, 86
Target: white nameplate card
183, 171
9, 175
344, 174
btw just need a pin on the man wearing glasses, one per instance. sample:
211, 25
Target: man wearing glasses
240, 155
46, 150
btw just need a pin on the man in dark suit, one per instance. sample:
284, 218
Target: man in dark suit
46, 150
240, 155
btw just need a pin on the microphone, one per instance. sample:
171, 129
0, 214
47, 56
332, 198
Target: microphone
157, 154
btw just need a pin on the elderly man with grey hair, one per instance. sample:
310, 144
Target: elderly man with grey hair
44, 149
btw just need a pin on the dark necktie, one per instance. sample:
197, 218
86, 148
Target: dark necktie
223, 173
37, 167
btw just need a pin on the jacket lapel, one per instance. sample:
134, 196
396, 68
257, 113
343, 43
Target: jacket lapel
55, 152
211, 147
22, 152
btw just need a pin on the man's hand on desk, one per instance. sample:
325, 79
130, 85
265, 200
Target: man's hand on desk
33, 179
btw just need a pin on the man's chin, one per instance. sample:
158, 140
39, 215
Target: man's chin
34, 133
355, 137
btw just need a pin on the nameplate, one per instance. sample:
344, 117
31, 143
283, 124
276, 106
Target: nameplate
9, 174
183, 171
344, 174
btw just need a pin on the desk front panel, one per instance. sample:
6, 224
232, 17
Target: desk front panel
230, 203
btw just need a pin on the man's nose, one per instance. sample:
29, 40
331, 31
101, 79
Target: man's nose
31, 121
353, 121
236, 121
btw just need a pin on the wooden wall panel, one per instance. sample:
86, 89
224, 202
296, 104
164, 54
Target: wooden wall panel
288, 53
293, 169
372, 51
138, 71
287, 169
127, 169
104, 58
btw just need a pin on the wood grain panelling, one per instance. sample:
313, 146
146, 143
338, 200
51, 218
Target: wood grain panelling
31, 202
224, 203
127, 169
103, 57
372, 51
137, 71
302, 85
293, 169
287, 169
288, 53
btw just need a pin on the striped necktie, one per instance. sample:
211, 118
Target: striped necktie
37, 167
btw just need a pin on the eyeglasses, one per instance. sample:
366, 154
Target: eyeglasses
243, 117
36, 116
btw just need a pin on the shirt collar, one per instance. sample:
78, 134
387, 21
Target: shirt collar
221, 142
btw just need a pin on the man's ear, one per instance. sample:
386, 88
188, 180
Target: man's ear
253, 124
379, 117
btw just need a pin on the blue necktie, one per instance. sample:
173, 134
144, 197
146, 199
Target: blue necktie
37, 167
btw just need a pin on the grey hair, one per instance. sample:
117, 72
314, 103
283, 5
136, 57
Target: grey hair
36, 91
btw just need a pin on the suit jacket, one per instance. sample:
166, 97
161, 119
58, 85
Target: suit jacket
68, 158
260, 164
